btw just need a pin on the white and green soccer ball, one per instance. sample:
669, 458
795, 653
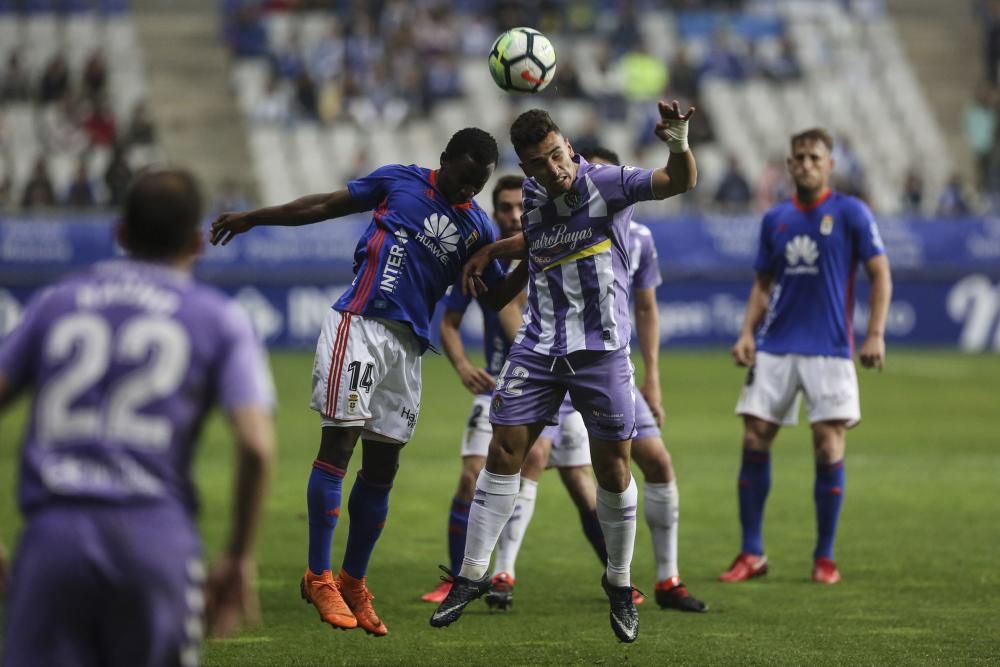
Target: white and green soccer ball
522, 60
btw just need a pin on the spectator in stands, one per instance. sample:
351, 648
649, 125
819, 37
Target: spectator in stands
80, 193
245, 33
979, 123
644, 76
848, 173
99, 123
784, 66
953, 202
60, 127
602, 82
15, 86
275, 104
773, 185
141, 131
306, 97
733, 193
95, 75
443, 80
567, 82
913, 192
38, 191
625, 35
723, 60
991, 23
683, 76
325, 58
117, 176
54, 85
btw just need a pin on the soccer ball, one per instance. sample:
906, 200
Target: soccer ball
522, 60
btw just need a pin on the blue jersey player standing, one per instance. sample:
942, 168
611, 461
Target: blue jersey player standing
796, 338
574, 340
496, 343
366, 375
124, 360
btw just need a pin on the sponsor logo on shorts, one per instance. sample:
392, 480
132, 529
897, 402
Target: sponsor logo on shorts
600, 414
409, 415
497, 402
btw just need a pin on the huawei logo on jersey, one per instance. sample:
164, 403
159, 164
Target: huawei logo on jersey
801, 254
440, 236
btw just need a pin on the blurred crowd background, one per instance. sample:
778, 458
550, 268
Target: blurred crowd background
323, 91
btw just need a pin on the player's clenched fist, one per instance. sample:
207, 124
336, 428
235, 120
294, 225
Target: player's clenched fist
227, 226
744, 349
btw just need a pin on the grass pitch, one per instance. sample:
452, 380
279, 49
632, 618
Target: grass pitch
918, 542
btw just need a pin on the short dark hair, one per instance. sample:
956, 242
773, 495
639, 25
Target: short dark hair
531, 128
162, 213
477, 144
813, 134
601, 153
508, 182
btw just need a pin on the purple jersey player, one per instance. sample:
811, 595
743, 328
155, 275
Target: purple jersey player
796, 338
575, 339
366, 374
124, 360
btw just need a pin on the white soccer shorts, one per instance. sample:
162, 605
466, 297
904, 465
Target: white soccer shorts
571, 447
367, 373
478, 431
776, 382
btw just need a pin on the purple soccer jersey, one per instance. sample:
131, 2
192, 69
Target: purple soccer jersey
579, 260
644, 266
125, 360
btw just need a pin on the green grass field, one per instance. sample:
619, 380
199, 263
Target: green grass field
918, 543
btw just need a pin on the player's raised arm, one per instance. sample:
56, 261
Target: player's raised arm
302, 211
681, 172
745, 348
504, 291
872, 352
515, 247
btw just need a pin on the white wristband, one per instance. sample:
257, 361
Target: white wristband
677, 135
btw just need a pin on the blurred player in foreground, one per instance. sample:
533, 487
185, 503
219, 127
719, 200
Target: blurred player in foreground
565, 448
796, 338
496, 342
575, 339
124, 360
366, 375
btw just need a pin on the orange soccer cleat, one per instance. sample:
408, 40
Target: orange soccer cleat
359, 599
745, 567
323, 592
439, 593
501, 593
637, 597
825, 571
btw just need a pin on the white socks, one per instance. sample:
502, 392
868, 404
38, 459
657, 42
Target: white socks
491, 508
662, 507
616, 512
513, 533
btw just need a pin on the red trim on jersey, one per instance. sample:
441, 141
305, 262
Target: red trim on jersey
337, 362
849, 307
806, 207
367, 280
434, 184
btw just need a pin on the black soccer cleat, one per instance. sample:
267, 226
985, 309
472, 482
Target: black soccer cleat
501, 593
624, 617
463, 591
673, 594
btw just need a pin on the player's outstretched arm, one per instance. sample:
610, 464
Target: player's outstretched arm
745, 349
515, 247
302, 211
475, 379
681, 173
230, 597
647, 325
872, 352
502, 293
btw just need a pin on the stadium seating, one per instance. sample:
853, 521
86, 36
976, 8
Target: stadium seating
855, 80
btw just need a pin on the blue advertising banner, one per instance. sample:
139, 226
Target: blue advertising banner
946, 275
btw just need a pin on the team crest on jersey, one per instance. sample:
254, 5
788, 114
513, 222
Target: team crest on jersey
826, 225
352, 403
572, 199
472, 238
